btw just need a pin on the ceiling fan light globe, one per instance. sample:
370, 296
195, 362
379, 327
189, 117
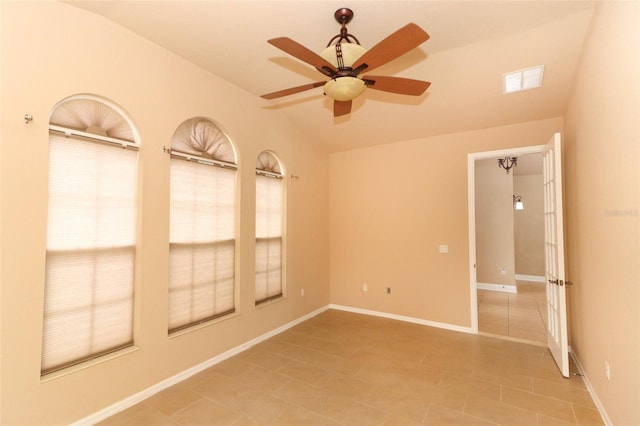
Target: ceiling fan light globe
344, 88
351, 52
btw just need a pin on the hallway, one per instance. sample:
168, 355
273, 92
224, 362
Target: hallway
521, 315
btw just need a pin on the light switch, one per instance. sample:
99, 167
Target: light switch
443, 248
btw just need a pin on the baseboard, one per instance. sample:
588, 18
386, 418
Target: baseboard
506, 288
141, 396
402, 318
532, 278
592, 392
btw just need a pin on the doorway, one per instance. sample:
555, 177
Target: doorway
508, 284
555, 279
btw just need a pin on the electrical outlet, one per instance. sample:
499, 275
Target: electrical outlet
302, 292
503, 271
607, 370
388, 290
365, 287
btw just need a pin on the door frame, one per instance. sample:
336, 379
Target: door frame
471, 169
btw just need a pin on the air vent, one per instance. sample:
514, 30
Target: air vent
525, 79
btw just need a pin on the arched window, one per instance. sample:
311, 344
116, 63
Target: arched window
269, 224
91, 232
202, 224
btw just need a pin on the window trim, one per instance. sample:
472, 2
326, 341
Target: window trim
89, 137
282, 237
175, 154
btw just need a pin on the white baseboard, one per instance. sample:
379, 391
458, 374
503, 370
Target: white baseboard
532, 278
402, 318
506, 288
141, 396
592, 392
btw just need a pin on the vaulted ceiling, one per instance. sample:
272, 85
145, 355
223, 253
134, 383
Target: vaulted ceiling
472, 44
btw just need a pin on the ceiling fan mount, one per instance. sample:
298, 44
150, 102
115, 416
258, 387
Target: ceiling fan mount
344, 59
343, 16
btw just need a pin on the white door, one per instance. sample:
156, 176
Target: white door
554, 255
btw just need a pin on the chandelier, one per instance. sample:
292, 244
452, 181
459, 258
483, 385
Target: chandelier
507, 163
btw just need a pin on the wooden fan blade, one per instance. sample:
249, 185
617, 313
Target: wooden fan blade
341, 108
403, 86
406, 38
292, 90
297, 50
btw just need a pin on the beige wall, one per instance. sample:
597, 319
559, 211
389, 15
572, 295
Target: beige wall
51, 50
602, 162
391, 206
529, 225
494, 224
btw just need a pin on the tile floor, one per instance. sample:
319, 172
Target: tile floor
341, 368
521, 316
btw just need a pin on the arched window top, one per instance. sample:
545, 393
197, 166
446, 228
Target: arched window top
201, 137
92, 115
268, 162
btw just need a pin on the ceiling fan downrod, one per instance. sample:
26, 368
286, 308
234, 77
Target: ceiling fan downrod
343, 16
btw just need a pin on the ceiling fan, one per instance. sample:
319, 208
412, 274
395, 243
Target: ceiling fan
344, 60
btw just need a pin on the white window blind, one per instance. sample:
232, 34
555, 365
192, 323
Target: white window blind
269, 220
89, 276
202, 227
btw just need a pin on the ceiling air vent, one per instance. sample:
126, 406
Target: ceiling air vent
526, 79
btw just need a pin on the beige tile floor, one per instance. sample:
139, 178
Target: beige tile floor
521, 316
341, 368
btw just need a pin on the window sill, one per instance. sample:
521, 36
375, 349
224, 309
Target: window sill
270, 302
203, 325
88, 364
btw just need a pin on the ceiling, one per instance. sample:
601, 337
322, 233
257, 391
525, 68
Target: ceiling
472, 44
